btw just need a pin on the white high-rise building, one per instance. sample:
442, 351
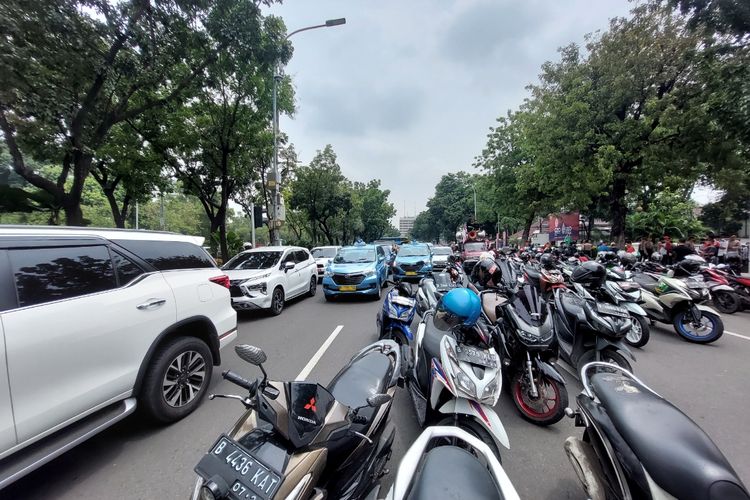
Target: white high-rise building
405, 225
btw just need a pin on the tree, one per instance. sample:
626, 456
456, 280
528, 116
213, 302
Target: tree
726, 215
669, 213
375, 209
319, 189
73, 69
425, 228
212, 143
453, 203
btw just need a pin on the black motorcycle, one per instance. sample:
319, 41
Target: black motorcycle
529, 349
636, 444
431, 288
586, 329
303, 440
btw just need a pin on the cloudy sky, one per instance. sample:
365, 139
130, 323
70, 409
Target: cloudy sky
406, 90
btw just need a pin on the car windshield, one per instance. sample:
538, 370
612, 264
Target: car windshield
354, 255
323, 253
442, 251
474, 247
414, 251
253, 260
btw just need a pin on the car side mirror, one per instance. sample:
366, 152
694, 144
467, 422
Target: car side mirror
379, 399
288, 266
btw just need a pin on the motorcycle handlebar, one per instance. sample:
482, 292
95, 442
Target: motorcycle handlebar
238, 380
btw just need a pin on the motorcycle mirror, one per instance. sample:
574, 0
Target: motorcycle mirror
670, 273
379, 399
251, 354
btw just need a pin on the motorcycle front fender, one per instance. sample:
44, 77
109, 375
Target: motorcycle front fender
483, 414
602, 343
550, 371
634, 308
707, 309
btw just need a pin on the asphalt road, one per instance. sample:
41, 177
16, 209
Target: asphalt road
134, 461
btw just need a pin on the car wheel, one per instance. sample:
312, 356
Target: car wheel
313, 286
177, 379
379, 288
277, 301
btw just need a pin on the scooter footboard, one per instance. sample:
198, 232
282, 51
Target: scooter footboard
483, 414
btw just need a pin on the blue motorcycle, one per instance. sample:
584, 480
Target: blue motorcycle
395, 317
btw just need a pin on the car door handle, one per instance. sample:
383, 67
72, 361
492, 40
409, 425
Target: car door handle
151, 304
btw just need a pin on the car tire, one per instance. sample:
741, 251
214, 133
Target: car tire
379, 288
313, 286
166, 394
277, 301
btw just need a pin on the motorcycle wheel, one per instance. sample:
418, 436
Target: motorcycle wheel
710, 330
538, 410
607, 355
472, 427
726, 302
639, 333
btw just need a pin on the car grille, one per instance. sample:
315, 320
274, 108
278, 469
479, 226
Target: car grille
412, 267
348, 279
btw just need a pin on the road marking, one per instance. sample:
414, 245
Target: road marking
316, 357
737, 335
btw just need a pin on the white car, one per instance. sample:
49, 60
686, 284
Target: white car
266, 277
94, 323
440, 257
323, 256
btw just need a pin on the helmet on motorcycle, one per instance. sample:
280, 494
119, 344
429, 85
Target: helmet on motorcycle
486, 271
656, 257
627, 259
687, 267
547, 261
460, 306
589, 273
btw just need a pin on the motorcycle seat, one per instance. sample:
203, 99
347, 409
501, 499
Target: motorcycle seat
365, 377
646, 281
452, 472
674, 450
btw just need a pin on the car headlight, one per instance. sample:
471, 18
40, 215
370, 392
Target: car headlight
260, 287
369, 273
327, 273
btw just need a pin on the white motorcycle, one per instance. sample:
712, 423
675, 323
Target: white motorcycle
456, 379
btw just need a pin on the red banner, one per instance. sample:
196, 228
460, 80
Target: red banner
564, 227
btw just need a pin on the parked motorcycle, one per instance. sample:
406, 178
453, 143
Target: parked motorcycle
466, 468
636, 444
678, 302
438, 284
455, 378
529, 348
300, 440
621, 291
729, 293
589, 330
394, 318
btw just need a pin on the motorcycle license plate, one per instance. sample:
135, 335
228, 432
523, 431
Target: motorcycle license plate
612, 310
411, 273
475, 356
347, 288
248, 479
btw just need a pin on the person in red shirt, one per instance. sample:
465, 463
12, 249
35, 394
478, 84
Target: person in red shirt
629, 248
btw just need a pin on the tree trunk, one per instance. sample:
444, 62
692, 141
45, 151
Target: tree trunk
527, 227
119, 216
618, 210
73, 213
223, 241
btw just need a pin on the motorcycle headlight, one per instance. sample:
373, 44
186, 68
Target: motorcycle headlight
528, 337
488, 394
465, 383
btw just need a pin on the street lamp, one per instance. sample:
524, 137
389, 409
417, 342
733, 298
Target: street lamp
473, 187
276, 174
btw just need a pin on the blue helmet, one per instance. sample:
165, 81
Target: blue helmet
459, 306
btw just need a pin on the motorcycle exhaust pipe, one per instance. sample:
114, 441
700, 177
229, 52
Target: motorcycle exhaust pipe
583, 459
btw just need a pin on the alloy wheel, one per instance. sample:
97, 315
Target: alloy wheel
184, 378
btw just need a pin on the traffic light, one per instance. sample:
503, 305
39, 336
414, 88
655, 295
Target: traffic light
258, 216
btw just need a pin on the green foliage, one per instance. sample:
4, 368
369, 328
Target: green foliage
725, 216
669, 213
425, 228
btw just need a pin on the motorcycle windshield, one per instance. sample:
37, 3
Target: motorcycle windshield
309, 404
529, 306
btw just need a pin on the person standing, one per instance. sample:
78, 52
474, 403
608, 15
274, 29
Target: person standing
668, 247
681, 251
733, 252
587, 248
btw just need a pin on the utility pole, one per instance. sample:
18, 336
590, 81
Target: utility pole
252, 221
136, 214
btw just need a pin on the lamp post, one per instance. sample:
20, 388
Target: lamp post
276, 173
473, 187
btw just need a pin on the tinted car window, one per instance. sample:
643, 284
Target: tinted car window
253, 260
301, 255
125, 269
168, 255
47, 274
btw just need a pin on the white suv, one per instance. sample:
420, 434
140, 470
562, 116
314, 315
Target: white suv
266, 277
96, 322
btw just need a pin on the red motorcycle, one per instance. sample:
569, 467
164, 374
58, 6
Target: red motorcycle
732, 302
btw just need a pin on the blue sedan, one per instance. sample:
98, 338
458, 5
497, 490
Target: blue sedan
356, 270
413, 261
